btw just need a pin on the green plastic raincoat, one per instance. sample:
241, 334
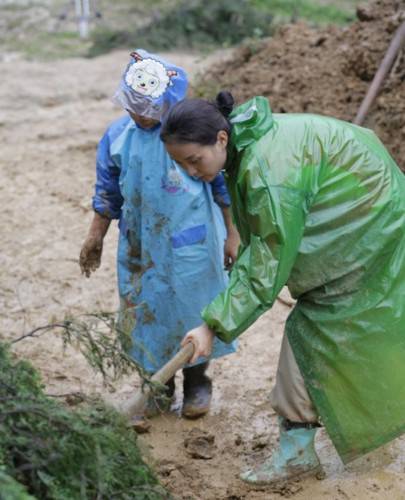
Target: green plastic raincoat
320, 206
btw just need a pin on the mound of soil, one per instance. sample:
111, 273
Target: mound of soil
326, 71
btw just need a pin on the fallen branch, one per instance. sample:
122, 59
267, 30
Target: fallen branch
98, 337
43, 329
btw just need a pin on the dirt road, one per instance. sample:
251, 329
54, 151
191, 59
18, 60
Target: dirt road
52, 115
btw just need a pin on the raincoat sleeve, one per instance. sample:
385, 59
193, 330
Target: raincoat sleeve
220, 192
107, 199
275, 215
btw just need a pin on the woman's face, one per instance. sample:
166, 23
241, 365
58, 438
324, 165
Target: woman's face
203, 162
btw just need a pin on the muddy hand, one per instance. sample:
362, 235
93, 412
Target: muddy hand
90, 255
231, 250
202, 337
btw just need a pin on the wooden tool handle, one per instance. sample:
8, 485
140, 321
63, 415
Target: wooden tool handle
385, 66
136, 404
178, 361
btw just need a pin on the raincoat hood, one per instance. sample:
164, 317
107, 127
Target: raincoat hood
150, 86
250, 121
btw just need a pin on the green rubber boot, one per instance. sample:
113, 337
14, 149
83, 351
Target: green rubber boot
294, 458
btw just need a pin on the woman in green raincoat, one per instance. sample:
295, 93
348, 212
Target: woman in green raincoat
320, 207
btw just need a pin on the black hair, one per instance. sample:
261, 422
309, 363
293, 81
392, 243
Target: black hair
198, 120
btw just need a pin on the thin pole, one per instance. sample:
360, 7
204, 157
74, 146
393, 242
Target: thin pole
78, 8
83, 15
382, 71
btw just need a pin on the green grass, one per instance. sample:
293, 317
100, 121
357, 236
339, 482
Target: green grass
10, 489
316, 12
190, 25
51, 46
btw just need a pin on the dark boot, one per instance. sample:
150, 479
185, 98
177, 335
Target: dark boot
197, 391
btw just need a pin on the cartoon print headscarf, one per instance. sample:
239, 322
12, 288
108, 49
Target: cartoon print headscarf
150, 86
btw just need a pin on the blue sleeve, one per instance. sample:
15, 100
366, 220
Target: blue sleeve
220, 192
107, 199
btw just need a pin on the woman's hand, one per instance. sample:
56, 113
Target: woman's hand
231, 247
202, 337
92, 249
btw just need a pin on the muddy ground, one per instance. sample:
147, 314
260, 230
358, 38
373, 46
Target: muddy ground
325, 70
52, 115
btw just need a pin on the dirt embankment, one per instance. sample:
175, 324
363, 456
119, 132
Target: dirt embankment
327, 71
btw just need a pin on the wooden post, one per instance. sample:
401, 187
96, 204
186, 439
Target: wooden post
83, 16
382, 71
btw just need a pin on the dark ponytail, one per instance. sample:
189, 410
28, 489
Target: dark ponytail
198, 120
225, 102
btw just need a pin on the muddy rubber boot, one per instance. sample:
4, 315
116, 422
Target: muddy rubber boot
197, 391
294, 458
155, 405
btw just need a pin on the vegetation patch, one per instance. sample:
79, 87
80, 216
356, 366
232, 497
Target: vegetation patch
48, 29
191, 24
314, 12
48, 451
